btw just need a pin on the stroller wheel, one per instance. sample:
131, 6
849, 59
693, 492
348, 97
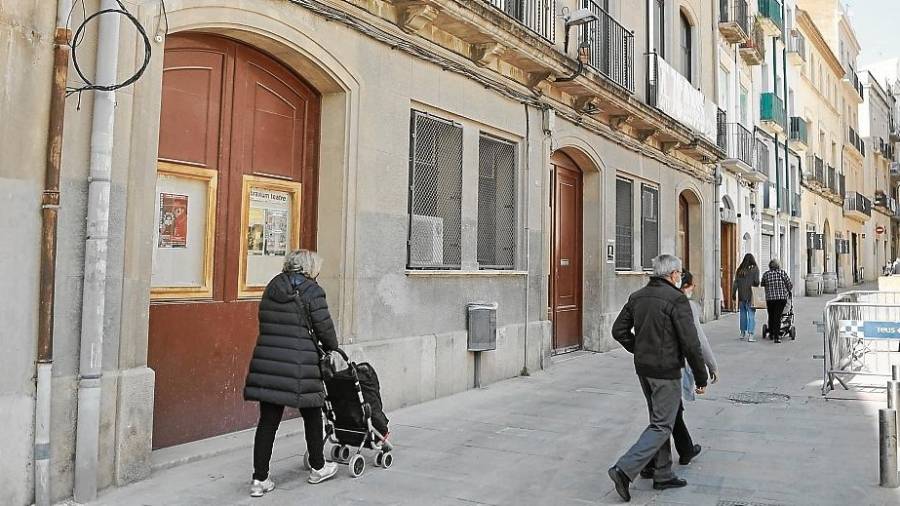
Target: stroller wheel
306, 461
793, 333
379, 459
345, 453
335, 453
357, 465
387, 460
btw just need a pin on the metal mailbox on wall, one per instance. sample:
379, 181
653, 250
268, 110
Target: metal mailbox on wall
482, 326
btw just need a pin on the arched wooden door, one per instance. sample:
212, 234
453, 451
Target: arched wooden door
237, 121
566, 242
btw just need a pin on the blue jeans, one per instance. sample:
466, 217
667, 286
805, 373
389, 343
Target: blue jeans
748, 317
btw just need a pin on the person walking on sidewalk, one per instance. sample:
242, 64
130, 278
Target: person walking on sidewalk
778, 289
284, 370
746, 277
684, 444
657, 327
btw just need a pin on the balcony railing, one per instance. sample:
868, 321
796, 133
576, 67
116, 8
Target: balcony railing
770, 12
799, 130
819, 172
887, 203
612, 46
853, 81
833, 184
795, 205
537, 15
671, 93
797, 47
734, 20
739, 143
856, 141
772, 110
842, 184
762, 158
753, 51
856, 202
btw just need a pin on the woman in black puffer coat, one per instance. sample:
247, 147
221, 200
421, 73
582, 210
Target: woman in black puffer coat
284, 370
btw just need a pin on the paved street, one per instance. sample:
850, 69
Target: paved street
548, 439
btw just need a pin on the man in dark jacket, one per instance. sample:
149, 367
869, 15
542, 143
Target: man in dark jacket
657, 326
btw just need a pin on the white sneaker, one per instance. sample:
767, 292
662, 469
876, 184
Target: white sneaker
320, 475
260, 488
751, 338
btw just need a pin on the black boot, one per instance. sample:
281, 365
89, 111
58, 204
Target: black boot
622, 482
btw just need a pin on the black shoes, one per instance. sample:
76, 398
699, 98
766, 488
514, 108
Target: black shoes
647, 473
673, 483
622, 482
686, 459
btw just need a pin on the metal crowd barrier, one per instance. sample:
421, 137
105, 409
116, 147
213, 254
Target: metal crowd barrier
861, 341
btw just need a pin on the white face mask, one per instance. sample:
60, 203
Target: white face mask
689, 293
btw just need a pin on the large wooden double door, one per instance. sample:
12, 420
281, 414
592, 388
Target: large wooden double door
231, 109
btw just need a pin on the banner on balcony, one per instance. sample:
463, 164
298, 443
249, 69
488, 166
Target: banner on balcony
678, 98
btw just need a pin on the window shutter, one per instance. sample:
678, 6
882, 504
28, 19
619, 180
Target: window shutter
624, 225
435, 193
496, 203
649, 225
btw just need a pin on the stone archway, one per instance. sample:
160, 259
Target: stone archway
689, 241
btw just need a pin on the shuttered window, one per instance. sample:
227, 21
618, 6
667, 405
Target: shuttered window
435, 193
649, 225
624, 224
496, 203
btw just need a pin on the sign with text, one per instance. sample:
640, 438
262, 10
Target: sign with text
859, 329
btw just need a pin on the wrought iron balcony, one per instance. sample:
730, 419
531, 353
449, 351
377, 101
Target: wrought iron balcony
856, 141
740, 146
852, 81
762, 163
536, 15
734, 20
799, 133
770, 17
797, 48
887, 203
772, 113
753, 50
819, 174
857, 206
612, 47
833, 183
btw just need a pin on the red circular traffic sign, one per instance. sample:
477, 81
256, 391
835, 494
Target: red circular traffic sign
879, 229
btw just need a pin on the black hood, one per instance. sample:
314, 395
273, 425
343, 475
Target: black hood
280, 289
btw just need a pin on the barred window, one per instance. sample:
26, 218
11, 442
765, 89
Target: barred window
435, 193
649, 225
496, 203
624, 224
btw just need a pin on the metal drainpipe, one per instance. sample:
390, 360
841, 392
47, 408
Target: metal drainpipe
777, 171
47, 287
717, 250
527, 164
94, 295
787, 118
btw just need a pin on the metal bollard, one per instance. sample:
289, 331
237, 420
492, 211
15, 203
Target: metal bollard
893, 395
887, 448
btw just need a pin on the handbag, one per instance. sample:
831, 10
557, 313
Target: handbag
759, 297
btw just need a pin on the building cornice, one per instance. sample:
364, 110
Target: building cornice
813, 34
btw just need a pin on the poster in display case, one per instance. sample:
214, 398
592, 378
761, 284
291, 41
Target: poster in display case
185, 202
270, 228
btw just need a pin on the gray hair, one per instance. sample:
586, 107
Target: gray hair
774, 265
303, 261
664, 265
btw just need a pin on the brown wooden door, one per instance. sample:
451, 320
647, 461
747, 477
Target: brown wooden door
729, 256
235, 110
566, 267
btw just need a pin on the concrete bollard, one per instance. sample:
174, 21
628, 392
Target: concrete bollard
887, 448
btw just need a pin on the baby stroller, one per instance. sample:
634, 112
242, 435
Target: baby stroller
787, 322
354, 418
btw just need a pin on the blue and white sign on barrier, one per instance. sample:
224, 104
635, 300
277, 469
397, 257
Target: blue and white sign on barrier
859, 329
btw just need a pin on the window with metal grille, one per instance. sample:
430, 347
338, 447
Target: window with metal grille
496, 203
624, 224
435, 193
649, 225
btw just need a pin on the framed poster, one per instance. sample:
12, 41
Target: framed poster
270, 229
185, 215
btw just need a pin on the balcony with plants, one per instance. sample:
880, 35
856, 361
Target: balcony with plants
857, 207
772, 113
753, 50
770, 17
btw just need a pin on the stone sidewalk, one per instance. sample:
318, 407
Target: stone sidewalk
769, 438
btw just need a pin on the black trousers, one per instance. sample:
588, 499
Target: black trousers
775, 308
269, 420
684, 445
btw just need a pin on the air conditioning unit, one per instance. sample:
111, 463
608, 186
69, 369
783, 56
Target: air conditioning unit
426, 241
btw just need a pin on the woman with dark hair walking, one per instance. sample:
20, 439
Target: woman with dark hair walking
746, 277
